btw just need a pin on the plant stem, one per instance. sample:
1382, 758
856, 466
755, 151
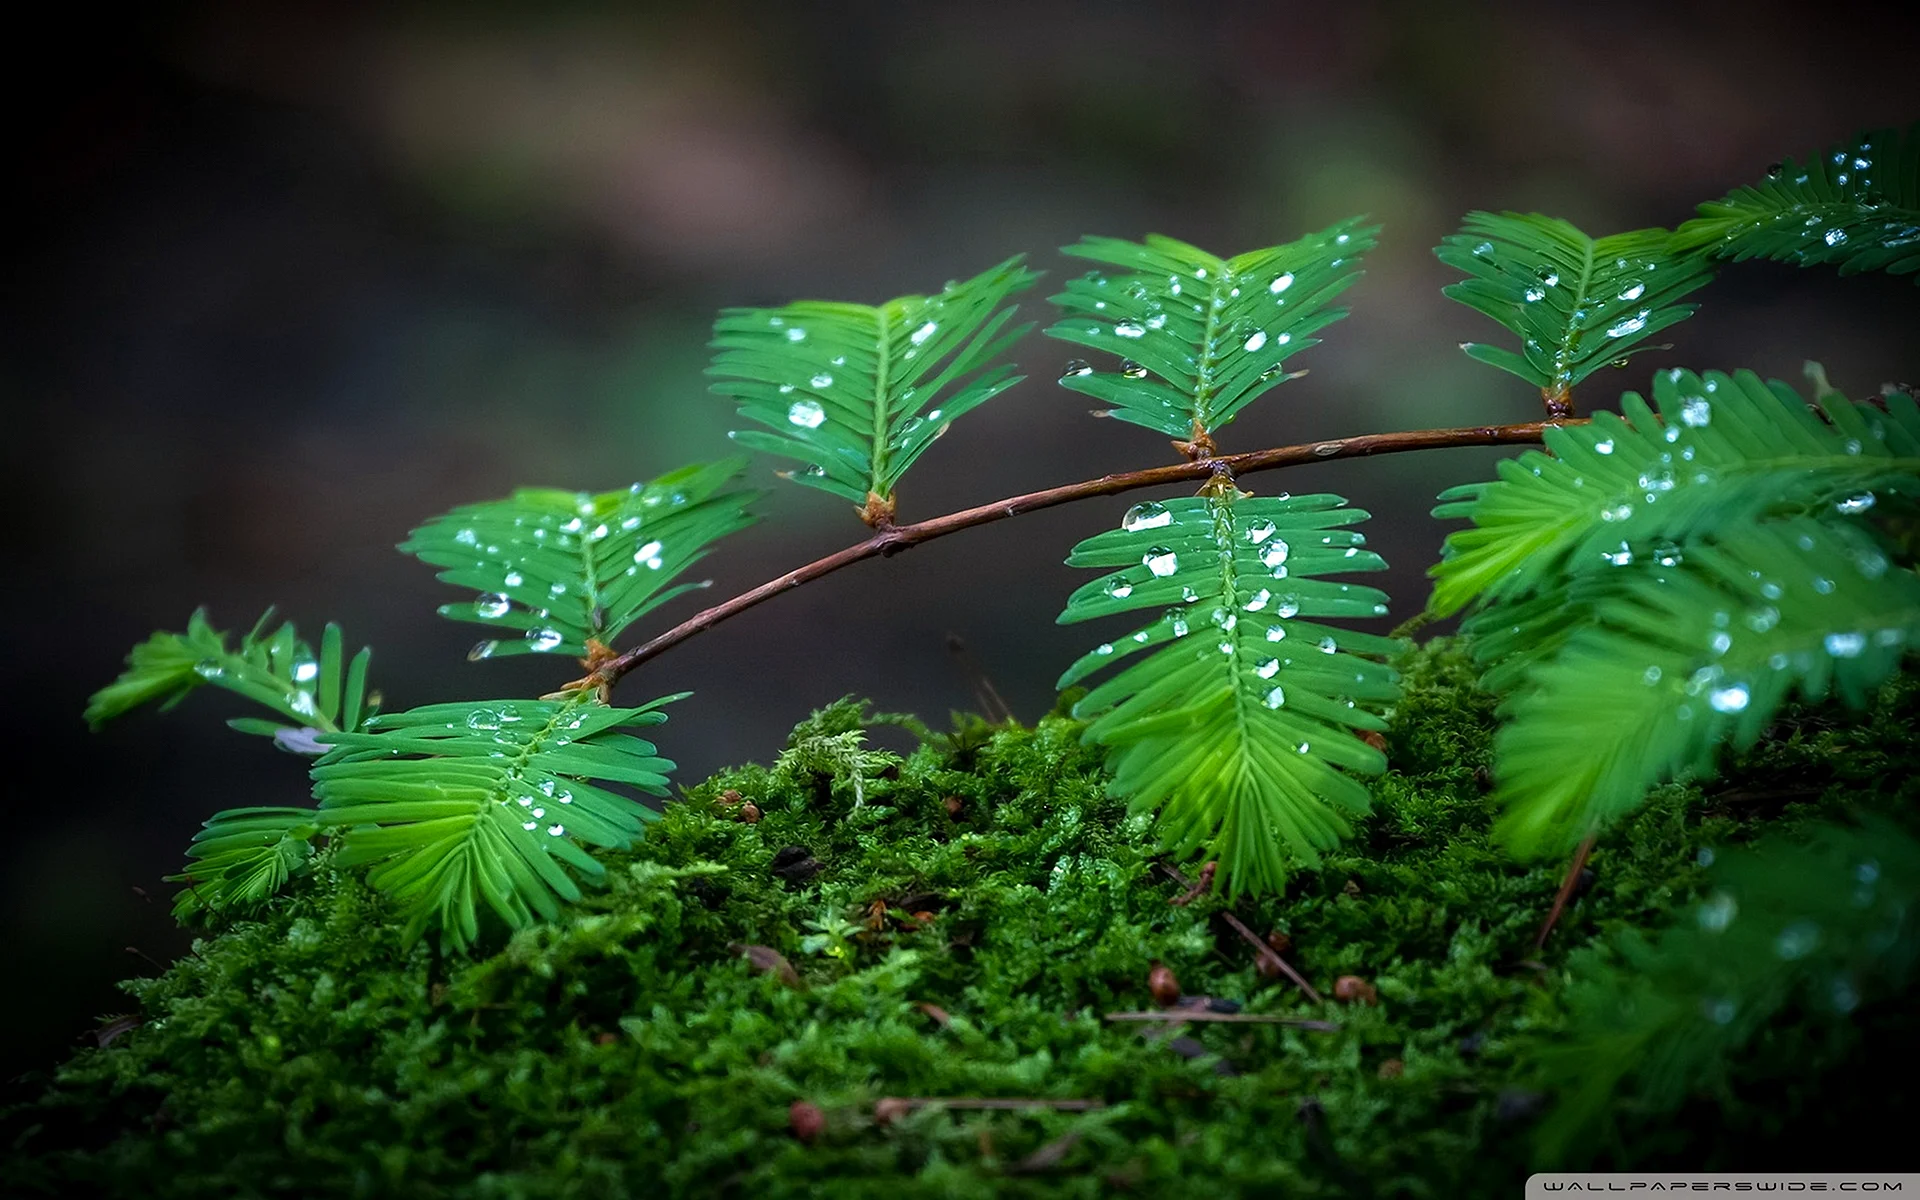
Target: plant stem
891, 540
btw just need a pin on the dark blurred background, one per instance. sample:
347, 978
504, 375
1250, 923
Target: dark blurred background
285, 280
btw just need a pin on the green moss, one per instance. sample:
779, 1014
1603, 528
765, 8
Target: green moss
634, 1048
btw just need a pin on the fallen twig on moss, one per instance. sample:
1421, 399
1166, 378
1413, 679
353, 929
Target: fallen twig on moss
1201, 1014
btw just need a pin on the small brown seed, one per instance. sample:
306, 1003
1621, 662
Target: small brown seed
953, 805
806, 1120
1351, 989
730, 797
1163, 985
1374, 739
1280, 942
750, 813
1393, 1068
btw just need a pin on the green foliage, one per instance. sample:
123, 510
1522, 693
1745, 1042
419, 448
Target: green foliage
1688, 657
465, 804
1857, 206
856, 392
1202, 336
242, 857
1715, 452
275, 670
1577, 303
1238, 723
1823, 926
559, 569
630, 1047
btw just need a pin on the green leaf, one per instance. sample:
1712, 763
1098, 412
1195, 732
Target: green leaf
1856, 207
1577, 303
555, 568
487, 803
1235, 716
857, 393
1202, 336
1721, 451
277, 671
241, 857
1680, 660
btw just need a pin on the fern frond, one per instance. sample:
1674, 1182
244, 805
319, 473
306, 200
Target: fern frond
487, 803
1678, 661
1576, 302
1236, 720
1829, 924
1856, 207
277, 670
243, 856
858, 392
1720, 451
1202, 336
556, 569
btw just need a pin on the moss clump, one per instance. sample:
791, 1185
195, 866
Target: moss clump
957, 923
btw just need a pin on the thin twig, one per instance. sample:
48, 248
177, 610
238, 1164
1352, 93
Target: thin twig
890, 540
1566, 891
1267, 953
1201, 1014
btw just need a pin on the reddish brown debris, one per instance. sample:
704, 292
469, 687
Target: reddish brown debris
1163, 985
1393, 1068
889, 1109
1279, 942
1200, 886
766, 958
1373, 738
806, 1120
750, 813
1351, 989
938, 1014
953, 805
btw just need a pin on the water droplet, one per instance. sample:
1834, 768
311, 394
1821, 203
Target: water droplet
1696, 412
1717, 912
1604, 446
1075, 367
1132, 369
492, 604
1258, 340
1157, 321
306, 671
1634, 292
1618, 512
1845, 645
1103, 649
1268, 668
807, 414
1845, 997
1854, 505
1148, 515
1650, 676
483, 719
919, 336
466, 537
1535, 293
1179, 626
1797, 940
1483, 250
1119, 588
796, 334
544, 639
1836, 236
1628, 325
1281, 284
1287, 609
1161, 561
1276, 697
649, 555
1129, 329
821, 380
1328, 645
1731, 699
482, 650
1720, 642
1274, 555
556, 830
1720, 1012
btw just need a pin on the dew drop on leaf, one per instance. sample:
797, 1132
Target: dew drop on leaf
807, 414
493, 604
544, 639
1148, 515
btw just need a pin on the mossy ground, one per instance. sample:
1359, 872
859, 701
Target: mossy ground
633, 1048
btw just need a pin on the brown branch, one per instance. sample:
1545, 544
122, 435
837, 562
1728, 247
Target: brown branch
903, 1103
1267, 954
1566, 892
890, 540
